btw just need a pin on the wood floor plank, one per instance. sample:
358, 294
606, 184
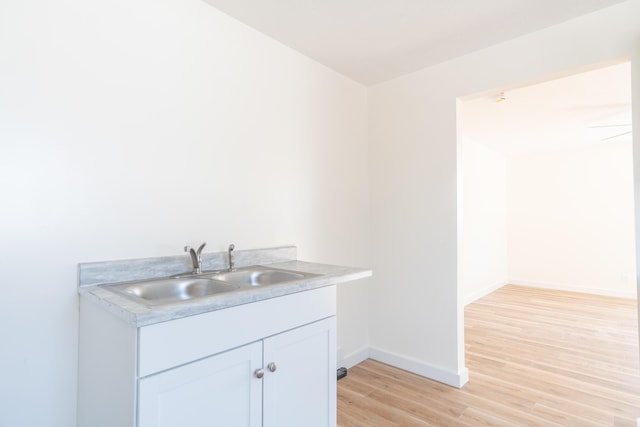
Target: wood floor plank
376, 412
537, 357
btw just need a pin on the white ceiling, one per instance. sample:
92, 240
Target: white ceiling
587, 108
375, 40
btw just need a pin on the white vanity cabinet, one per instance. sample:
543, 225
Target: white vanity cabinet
298, 390
266, 363
220, 388
229, 389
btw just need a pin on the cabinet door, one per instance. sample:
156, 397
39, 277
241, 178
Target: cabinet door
300, 386
220, 390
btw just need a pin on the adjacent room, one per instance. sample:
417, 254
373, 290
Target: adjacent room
547, 186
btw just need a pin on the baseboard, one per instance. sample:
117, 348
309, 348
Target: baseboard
572, 288
354, 358
454, 379
482, 293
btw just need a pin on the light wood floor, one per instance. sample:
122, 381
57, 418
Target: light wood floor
536, 357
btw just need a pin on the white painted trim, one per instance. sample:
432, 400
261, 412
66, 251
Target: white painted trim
454, 379
573, 288
468, 299
354, 358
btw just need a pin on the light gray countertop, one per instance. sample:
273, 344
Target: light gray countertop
140, 314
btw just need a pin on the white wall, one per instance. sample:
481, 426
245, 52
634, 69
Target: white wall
129, 129
635, 89
416, 309
571, 222
483, 249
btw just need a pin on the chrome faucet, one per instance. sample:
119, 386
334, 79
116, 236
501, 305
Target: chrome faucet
196, 257
231, 262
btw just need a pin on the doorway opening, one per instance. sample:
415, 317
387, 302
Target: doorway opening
546, 203
547, 186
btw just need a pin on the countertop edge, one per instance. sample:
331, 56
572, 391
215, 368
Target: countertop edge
138, 314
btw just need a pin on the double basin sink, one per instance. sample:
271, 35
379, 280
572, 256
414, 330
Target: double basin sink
187, 287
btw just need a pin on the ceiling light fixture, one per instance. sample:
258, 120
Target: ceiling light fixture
613, 126
616, 136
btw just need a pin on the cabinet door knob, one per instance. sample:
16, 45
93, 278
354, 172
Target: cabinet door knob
259, 373
272, 367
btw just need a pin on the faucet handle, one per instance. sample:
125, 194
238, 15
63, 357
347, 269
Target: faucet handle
195, 259
230, 255
199, 251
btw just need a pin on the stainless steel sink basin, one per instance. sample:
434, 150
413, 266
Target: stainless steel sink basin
183, 288
166, 291
259, 276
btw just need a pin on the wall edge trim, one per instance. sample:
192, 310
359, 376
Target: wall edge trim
436, 373
572, 288
354, 358
484, 292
